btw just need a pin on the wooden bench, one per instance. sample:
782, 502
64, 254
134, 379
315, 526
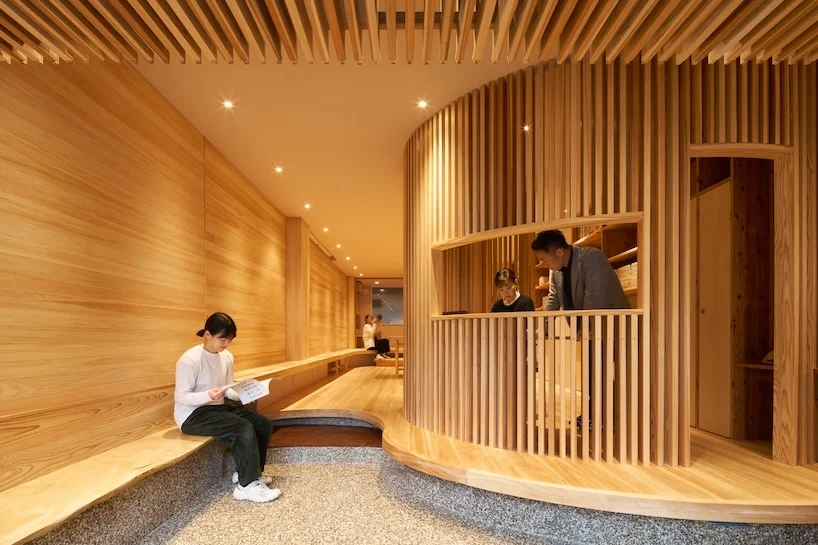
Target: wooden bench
36, 507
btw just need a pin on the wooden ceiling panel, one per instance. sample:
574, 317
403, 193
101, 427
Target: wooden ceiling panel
210, 31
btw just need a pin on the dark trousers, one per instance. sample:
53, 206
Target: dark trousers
247, 433
382, 346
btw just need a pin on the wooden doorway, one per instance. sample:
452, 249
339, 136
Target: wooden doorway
784, 372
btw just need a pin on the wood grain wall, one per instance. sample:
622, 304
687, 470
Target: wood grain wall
121, 229
612, 139
246, 248
329, 300
103, 266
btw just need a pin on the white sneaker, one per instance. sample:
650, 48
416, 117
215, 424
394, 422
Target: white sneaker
378, 357
256, 492
264, 478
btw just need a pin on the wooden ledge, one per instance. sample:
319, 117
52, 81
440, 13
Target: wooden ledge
566, 223
36, 507
543, 314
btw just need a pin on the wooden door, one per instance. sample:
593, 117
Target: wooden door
714, 307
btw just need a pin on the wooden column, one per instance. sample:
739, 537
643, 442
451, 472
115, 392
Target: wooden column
351, 311
298, 289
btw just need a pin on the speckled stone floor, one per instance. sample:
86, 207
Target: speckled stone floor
360, 496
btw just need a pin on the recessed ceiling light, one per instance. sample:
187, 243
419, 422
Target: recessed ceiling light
377, 282
360, 274
326, 229
337, 245
279, 170
355, 267
526, 128
422, 104
227, 104
347, 258
307, 206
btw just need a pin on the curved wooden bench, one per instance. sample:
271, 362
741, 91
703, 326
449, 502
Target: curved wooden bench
36, 507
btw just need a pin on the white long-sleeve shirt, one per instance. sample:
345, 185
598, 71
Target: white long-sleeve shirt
197, 371
369, 336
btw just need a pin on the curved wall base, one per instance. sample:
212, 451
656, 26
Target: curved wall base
726, 483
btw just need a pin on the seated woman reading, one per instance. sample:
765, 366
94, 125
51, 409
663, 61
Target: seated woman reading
508, 292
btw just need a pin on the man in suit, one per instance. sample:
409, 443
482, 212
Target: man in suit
581, 278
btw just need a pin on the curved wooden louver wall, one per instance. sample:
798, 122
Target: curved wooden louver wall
607, 142
426, 31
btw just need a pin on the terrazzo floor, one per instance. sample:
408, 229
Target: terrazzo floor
359, 496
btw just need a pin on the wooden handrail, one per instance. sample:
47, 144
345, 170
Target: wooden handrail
545, 313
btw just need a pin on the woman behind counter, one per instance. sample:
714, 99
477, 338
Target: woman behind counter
508, 292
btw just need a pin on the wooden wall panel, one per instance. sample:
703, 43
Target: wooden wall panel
328, 312
246, 262
120, 230
102, 262
668, 108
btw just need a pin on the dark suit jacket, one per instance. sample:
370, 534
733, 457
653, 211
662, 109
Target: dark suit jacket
594, 284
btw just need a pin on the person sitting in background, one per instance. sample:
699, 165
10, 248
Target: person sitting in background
204, 375
368, 333
508, 292
381, 344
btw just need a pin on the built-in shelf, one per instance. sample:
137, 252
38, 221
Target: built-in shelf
625, 258
763, 366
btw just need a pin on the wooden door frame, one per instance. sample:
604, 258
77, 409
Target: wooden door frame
787, 348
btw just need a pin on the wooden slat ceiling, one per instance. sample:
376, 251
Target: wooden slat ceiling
324, 31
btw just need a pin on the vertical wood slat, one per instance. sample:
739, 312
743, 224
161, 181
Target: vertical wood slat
469, 358
560, 387
623, 123
448, 347
531, 366
610, 123
556, 199
598, 363
598, 133
633, 387
541, 404
499, 390
587, 152
572, 373
610, 371
492, 384
541, 145
486, 346
686, 263
576, 142
674, 264
522, 401
550, 379
661, 257
460, 397
645, 254
587, 368
622, 384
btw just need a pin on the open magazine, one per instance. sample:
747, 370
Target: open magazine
251, 389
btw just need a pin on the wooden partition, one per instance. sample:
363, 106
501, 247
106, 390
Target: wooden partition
520, 381
612, 142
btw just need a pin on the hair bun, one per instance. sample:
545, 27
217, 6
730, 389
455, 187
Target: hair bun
200, 333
